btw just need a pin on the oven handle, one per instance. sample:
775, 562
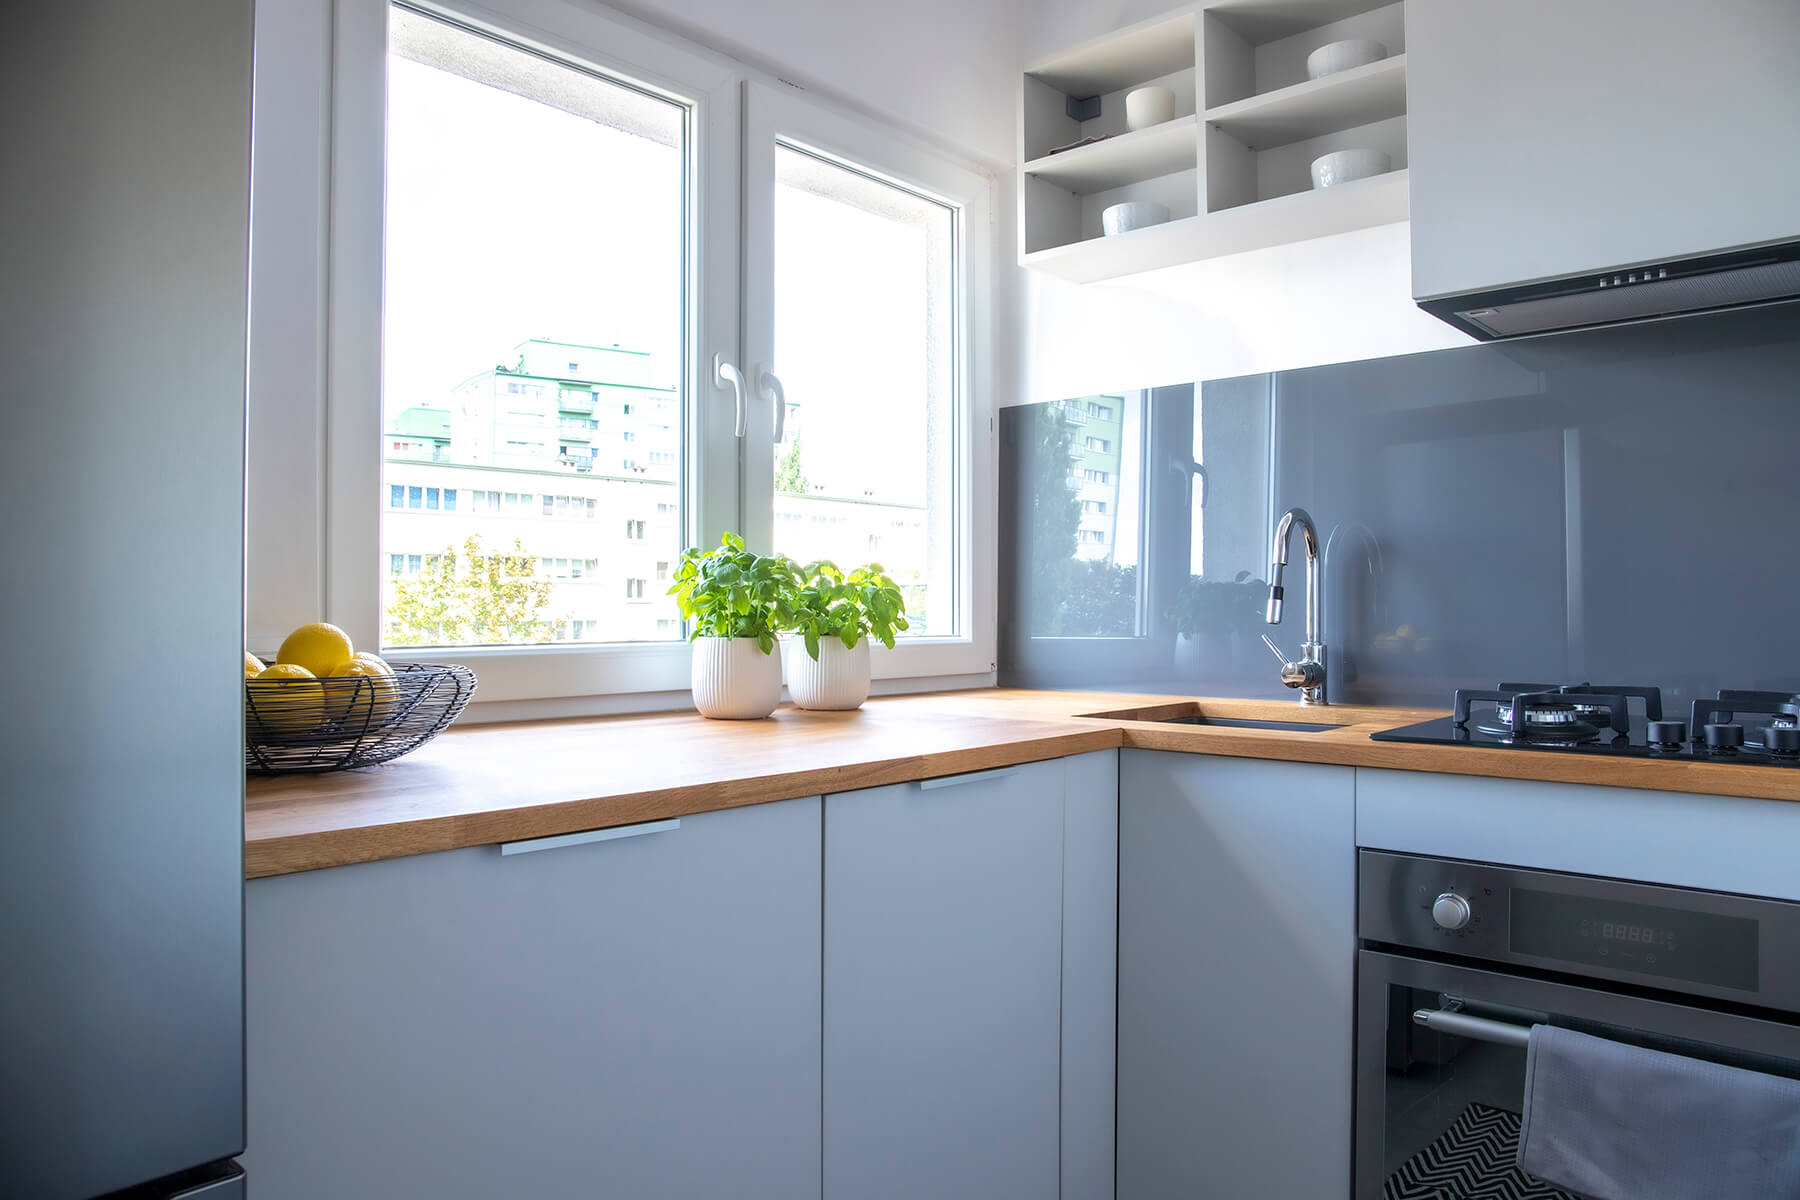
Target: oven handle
1452, 1020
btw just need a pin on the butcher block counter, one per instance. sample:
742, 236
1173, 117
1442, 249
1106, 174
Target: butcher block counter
481, 784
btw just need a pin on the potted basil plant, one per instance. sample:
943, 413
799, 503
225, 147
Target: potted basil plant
738, 602
836, 613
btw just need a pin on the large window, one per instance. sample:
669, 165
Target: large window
539, 264
534, 272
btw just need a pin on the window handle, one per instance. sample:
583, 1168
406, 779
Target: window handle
769, 385
725, 373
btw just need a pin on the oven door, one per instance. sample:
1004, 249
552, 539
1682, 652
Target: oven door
1430, 1102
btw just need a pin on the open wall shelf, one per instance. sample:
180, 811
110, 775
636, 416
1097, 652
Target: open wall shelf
1233, 166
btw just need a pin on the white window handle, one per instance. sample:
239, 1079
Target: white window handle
769, 385
725, 373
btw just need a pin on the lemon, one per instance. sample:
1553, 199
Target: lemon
253, 666
375, 697
377, 660
318, 647
286, 698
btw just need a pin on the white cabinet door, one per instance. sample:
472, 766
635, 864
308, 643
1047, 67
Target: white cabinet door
633, 1018
943, 985
1237, 956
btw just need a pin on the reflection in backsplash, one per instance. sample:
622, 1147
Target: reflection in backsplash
1611, 505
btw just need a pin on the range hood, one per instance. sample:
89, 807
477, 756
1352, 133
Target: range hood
1638, 293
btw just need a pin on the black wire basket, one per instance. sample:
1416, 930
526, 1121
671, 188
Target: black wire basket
339, 722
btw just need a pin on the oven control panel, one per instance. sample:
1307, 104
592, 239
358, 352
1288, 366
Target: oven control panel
1739, 947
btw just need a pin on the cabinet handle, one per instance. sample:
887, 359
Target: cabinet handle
589, 835
944, 781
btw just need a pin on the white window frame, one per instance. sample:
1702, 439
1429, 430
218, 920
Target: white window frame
610, 45
780, 116
727, 482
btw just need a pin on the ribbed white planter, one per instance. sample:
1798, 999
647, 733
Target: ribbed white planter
839, 680
734, 680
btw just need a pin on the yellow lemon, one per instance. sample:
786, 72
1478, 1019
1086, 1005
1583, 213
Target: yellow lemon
375, 696
286, 698
253, 666
375, 659
318, 647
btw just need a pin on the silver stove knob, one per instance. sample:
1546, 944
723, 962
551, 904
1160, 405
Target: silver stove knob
1451, 911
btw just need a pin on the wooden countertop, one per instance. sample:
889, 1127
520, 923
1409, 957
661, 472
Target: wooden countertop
480, 784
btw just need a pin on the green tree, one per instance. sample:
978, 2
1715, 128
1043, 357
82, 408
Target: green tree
472, 598
1054, 518
790, 475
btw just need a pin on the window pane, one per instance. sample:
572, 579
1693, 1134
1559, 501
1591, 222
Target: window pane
865, 321
533, 333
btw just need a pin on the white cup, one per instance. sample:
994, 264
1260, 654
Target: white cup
1134, 214
1147, 106
1342, 166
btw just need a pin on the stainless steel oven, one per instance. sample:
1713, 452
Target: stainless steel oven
1459, 959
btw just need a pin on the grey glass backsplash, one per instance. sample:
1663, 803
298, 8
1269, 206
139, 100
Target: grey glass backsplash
1615, 506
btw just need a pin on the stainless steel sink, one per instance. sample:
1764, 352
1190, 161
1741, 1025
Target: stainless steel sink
1248, 723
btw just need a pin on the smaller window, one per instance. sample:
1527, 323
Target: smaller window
574, 366
662, 572
1093, 476
626, 409
396, 496
1100, 444
634, 589
396, 563
549, 505
593, 506
413, 563
629, 436
1092, 537
415, 497
634, 530
431, 498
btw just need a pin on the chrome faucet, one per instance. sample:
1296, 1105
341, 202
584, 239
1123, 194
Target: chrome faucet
1308, 672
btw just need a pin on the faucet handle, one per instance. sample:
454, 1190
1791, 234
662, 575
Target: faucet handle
1275, 650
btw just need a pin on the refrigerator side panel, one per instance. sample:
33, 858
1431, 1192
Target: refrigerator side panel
124, 239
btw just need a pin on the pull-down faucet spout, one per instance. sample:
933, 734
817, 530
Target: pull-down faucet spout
1307, 673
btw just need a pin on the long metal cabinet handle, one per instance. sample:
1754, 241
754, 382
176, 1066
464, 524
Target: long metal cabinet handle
769, 384
726, 374
589, 835
944, 781
1479, 1029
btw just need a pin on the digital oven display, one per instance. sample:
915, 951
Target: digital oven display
1644, 938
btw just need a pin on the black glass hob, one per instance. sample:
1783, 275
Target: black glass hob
1746, 727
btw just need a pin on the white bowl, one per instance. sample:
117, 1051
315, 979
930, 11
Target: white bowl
1341, 166
1341, 56
1147, 106
1134, 214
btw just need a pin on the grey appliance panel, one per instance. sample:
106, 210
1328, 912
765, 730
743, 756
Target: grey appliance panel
124, 230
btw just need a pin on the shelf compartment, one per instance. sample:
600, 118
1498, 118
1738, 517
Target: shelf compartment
1126, 158
1123, 59
1380, 200
1359, 96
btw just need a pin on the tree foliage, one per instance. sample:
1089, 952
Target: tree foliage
472, 598
790, 472
1068, 596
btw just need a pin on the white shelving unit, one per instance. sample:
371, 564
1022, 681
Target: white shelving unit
1233, 165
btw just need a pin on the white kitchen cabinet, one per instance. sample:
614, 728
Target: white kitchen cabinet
630, 1018
1237, 954
968, 969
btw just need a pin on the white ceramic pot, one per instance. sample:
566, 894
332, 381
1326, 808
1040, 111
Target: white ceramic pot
1342, 56
1147, 106
734, 680
839, 680
1342, 166
1134, 214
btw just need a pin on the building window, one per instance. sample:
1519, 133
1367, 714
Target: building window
1101, 412
1093, 476
1093, 506
396, 563
415, 497
662, 572
413, 564
634, 530
431, 498
634, 589
1100, 444
1091, 537
396, 496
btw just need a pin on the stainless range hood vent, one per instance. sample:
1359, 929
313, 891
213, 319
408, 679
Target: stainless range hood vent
1637, 294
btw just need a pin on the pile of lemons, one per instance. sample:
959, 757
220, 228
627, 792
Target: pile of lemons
296, 698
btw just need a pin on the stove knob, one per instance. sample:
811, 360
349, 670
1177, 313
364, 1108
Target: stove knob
1669, 734
1450, 911
1782, 740
1724, 738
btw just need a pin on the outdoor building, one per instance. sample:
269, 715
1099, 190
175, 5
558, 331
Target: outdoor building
574, 451
1094, 467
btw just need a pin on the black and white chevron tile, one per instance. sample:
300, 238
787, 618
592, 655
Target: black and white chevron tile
1475, 1159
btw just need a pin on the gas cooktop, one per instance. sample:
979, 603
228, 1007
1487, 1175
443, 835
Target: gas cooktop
1752, 728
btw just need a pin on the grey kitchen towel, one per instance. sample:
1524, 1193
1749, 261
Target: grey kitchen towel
1617, 1122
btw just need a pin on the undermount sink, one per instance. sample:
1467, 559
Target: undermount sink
1247, 723
1187, 712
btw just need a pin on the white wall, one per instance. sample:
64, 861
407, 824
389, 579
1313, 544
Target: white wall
1333, 299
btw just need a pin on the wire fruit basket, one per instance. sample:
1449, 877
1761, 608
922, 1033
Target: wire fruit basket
339, 722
